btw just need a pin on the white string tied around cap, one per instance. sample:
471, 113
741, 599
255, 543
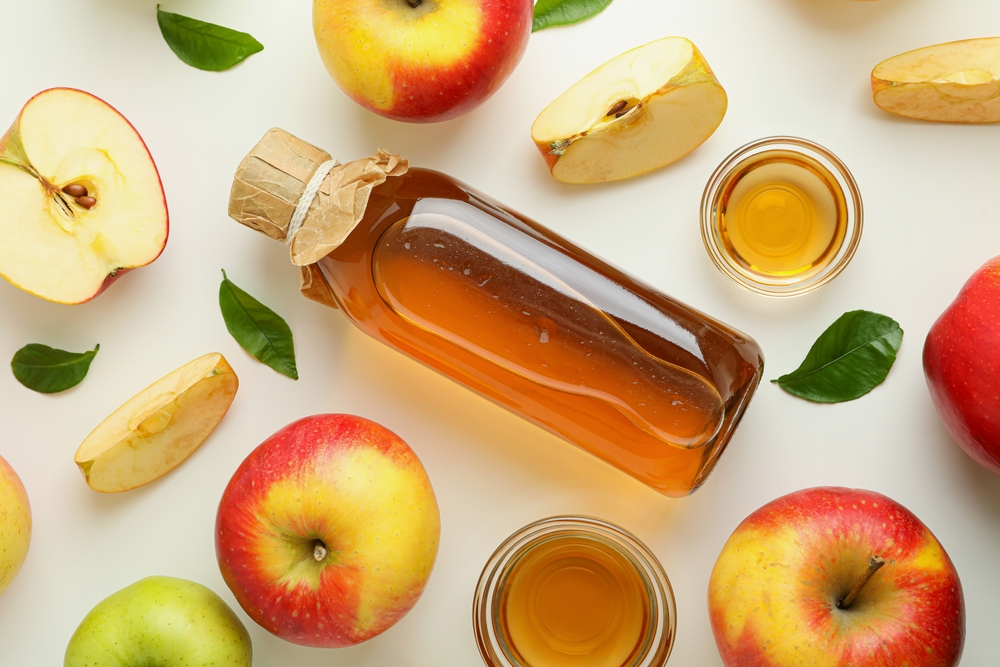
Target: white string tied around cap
306, 199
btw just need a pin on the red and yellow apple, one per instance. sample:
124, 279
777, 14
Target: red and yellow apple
827, 577
421, 60
328, 531
81, 201
15, 524
962, 366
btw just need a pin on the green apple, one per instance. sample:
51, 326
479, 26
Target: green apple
161, 622
15, 524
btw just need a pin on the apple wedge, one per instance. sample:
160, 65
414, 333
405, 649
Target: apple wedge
159, 427
80, 198
637, 112
955, 82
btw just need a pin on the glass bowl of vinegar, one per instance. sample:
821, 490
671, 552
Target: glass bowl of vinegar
574, 591
781, 216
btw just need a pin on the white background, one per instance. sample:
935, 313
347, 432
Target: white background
797, 67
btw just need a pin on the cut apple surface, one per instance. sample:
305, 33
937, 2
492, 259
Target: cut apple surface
640, 111
80, 198
955, 82
159, 427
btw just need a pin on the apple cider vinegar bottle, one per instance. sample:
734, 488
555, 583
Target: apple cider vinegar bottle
508, 308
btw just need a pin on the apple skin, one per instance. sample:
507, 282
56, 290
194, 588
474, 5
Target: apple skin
351, 487
431, 63
15, 524
114, 276
962, 366
773, 592
160, 621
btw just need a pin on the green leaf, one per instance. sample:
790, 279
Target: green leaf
550, 13
205, 45
848, 360
48, 370
258, 329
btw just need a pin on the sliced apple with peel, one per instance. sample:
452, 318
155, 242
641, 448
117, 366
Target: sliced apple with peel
81, 201
637, 112
955, 82
158, 428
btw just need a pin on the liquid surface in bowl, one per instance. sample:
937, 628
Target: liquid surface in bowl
573, 601
781, 214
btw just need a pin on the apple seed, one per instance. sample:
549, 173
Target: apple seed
86, 202
75, 190
616, 107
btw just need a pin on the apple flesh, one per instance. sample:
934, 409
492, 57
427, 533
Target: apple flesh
158, 428
962, 366
328, 531
15, 524
775, 594
160, 621
639, 111
955, 82
80, 198
421, 60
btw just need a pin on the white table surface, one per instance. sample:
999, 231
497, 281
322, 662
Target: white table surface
797, 67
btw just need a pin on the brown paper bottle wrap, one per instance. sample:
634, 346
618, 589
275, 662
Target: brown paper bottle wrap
270, 181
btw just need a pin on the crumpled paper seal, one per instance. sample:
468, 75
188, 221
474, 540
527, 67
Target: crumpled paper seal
269, 182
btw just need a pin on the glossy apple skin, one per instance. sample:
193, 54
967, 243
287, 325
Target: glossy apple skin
357, 488
426, 64
111, 278
773, 592
15, 524
962, 366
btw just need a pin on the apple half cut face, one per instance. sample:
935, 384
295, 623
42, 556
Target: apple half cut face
955, 82
80, 198
158, 428
639, 111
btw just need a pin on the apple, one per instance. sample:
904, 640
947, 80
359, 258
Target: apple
80, 198
637, 112
955, 82
158, 428
829, 577
962, 366
421, 60
160, 621
15, 524
328, 531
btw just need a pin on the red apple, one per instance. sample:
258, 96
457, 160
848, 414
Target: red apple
962, 366
328, 531
81, 201
421, 60
799, 584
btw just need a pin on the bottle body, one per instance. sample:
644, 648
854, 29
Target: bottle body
520, 315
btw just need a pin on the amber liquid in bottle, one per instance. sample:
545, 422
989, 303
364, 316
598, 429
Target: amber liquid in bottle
573, 601
513, 311
782, 214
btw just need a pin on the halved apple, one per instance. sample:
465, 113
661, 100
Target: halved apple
80, 198
158, 428
955, 82
637, 112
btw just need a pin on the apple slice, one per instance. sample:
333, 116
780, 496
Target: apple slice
640, 111
80, 198
955, 82
159, 427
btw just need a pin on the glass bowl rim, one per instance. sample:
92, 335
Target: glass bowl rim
855, 216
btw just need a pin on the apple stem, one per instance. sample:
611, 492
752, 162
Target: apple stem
873, 566
319, 551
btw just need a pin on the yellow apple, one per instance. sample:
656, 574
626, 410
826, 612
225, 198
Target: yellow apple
637, 112
421, 60
15, 524
956, 82
158, 428
80, 199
